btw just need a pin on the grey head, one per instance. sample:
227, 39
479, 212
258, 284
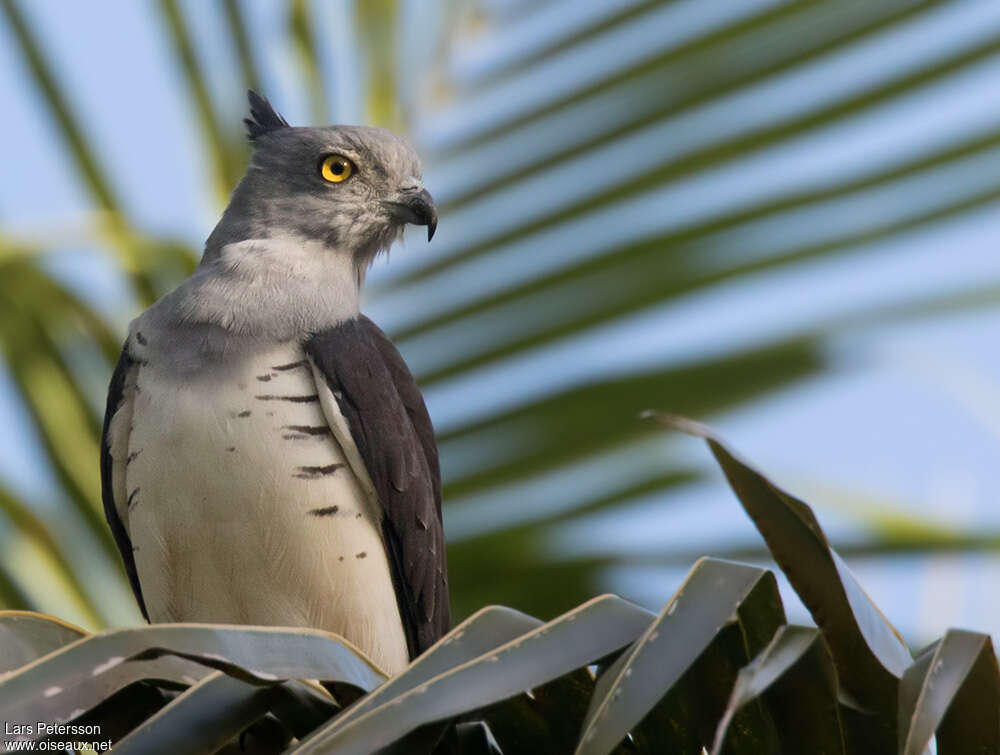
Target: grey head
352, 189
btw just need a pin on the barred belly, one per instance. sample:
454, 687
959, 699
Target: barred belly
243, 508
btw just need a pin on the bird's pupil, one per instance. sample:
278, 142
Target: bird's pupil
337, 168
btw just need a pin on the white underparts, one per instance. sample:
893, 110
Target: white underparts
243, 507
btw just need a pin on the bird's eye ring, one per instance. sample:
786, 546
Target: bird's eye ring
335, 168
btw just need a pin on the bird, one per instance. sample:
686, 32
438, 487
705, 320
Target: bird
267, 457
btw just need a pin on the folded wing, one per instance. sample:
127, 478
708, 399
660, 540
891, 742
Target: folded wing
384, 418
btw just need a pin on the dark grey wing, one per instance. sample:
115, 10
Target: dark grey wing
412, 399
116, 398
391, 428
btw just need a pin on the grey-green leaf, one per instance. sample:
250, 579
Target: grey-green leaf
202, 719
707, 600
26, 636
571, 641
102, 663
869, 653
814, 723
957, 688
485, 630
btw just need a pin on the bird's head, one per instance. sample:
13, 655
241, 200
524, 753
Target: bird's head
351, 188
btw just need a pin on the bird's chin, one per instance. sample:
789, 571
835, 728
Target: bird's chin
379, 243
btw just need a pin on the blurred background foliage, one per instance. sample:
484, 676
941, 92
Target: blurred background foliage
776, 215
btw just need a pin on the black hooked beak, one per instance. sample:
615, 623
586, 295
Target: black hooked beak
416, 207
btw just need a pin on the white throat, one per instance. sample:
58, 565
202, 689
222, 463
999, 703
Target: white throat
274, 287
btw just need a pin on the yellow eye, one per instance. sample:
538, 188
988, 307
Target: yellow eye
336, 168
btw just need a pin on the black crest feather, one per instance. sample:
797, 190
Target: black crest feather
263, 117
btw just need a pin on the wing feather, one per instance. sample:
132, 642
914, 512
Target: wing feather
114, 452
392, 431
